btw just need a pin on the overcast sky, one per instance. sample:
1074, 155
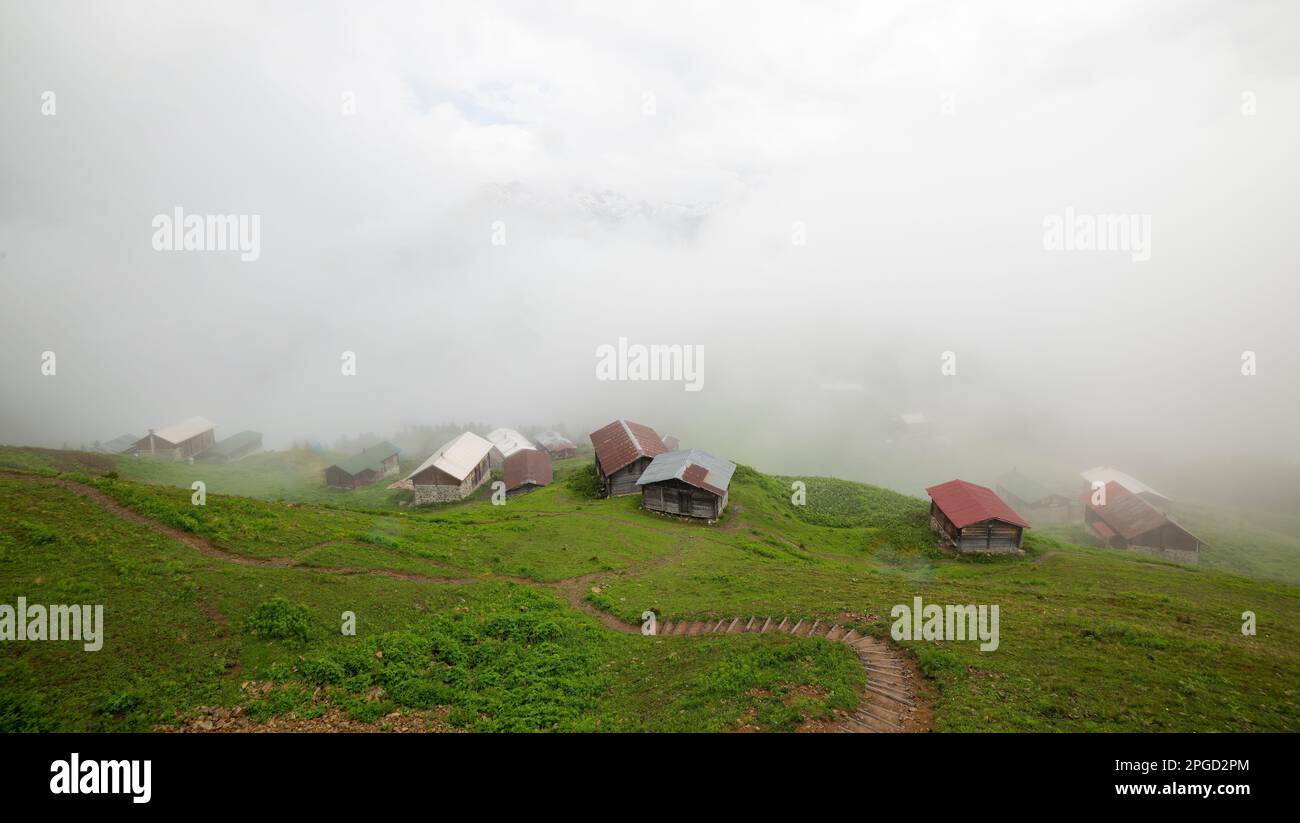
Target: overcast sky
653, 169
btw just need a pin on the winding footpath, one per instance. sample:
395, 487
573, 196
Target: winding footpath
891, 702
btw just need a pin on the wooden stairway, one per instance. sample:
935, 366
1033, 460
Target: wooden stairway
890, 701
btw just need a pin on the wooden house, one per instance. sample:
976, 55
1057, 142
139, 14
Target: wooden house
179, 441
623, 451
1127, 521
1034, 501
526, 468
689, 483
454, 471
234, 447
557, 445
365, 468
973, 518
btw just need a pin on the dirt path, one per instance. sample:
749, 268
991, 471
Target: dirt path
891, 702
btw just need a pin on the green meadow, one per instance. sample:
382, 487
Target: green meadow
488, 618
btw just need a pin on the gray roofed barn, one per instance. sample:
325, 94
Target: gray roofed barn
690, 482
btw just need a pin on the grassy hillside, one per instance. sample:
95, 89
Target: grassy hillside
477, 626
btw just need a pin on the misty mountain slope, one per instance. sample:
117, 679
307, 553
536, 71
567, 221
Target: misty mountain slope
1090, 639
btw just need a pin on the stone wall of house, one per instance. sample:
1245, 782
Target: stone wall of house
425, 494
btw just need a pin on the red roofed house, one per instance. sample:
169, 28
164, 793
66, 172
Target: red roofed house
527, 467
1126, 521
623, 451
974, 519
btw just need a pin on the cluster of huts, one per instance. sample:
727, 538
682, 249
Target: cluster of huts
1118, 509
630, 458
460, 466
191, 439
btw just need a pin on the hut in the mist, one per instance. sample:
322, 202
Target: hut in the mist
454, 471
526, 468
234, 447
1124, 520
380, 460
179, 441
1104, 475
1035, 501
623, 451
689, 483
118, 445
557, 445
973, 519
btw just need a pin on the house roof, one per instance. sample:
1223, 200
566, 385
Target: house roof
235, 443
372, 458
967, 503
1026, 488
1126, 513
1106, 474
693, 466
178, 433
554, 441
508, 441
671, 442
458, 456
527, 466
1103, 531
623, 441
119, 444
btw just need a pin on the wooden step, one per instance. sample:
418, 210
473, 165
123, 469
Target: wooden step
850, 636
797, 627
884, 715
664, 628
816, 626
717, 627
749, 627
767, 624
862, 722
835, 633
784, 626
891, 694
734, 627
680, 628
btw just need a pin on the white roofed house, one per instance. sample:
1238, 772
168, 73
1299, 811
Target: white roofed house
454, 471
506, 442
179, 441
690, 483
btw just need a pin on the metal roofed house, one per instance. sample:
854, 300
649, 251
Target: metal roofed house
527, 467
690, 483
623, 450
1035, 501
973, 518
380, 460
179, 441
454, 471
117, 445
557, 445
234, 447
1105, 474
1126, 521
507, 442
